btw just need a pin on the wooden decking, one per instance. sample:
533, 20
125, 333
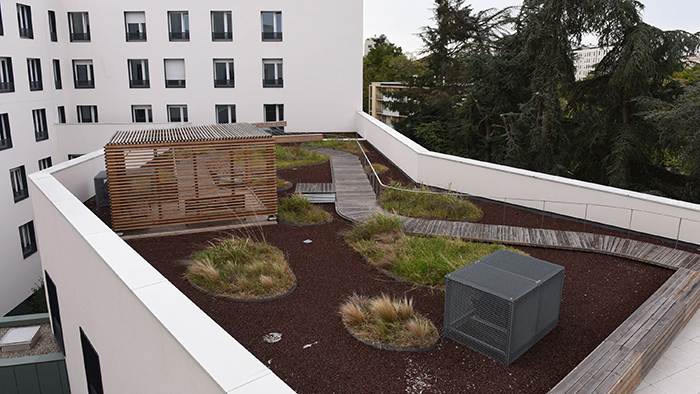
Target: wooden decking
619, 363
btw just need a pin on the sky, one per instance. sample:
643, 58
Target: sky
402, 20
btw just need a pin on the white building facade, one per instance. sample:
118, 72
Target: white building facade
585, 60
72, 72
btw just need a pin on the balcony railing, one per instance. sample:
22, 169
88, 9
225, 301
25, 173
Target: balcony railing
5, 143
54, 36
223, 83
84, 83
80, 37
36, 85
58, 84
271, 36
136, 36
273, 83
26, 33
6, 87
139, 83
221, 36
174, 83
179, 36
41, 135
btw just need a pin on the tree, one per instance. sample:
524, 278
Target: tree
385, 62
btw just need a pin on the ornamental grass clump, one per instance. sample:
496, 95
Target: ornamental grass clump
387, 320
289, 156
348, 145
378, 169
424, 203
298, 209
423, 260
241, 268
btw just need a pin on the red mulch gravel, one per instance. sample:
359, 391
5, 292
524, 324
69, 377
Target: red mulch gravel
599, 293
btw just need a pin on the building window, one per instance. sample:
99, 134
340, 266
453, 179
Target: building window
226, 113
52, 26
24, 21
177, 113
271, 26
41, 130
2, 31
83, 74
61, 114
57, 74
221, 26
45, 163
274, 112
7, 80
34, 72
79, 25
135, 26
72, 156
18, 177
52, 296
141, 114
87, 113
27, 239
179, 25
272, 73
174, 73
5, 136
138, 73
92, 365
223, 73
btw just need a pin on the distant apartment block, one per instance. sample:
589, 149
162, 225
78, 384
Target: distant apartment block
378, 100
585, 60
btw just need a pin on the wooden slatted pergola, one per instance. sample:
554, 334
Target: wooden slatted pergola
190, 175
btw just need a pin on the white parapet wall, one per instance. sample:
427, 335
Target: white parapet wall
621, 208
149, 337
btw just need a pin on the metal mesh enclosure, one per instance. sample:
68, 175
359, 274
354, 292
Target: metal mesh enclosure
502, 304
190, 175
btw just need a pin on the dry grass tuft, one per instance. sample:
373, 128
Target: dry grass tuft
267, 282
383, 308
204, 269
419, 327
387, 320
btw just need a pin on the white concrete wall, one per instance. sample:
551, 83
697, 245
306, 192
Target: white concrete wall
607, 205
322, 58
149, 337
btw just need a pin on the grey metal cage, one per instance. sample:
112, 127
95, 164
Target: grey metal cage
502, 304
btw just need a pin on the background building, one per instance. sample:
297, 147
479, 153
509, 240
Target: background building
377, 101
585, 60
72, 72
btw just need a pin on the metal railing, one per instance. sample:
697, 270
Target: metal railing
527, 203
271, 36
274, 82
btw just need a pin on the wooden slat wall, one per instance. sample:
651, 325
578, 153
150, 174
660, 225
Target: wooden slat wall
178, 183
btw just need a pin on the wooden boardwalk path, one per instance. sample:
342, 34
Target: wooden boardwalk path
620, 362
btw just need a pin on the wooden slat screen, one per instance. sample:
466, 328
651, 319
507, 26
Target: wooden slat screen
172, 183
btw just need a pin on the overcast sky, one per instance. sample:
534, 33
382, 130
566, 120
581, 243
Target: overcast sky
401, 20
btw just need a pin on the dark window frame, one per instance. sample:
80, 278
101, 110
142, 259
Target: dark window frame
226, 33
5, 132
228, 80
41, 129
276, 33
7, 78
24, 21
89, 81
139, 33
61, 114
52, 26
91, 361
18, 181
132, 66
147, 115
86, 113
36, 82
229, 109
184, 23
45, 163
57, 80
273, 76
84, 19
27, 239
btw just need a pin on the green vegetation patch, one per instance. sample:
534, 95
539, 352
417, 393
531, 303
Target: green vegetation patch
421, 202
282, 183
289, 156
297, 209
335, 143
241, 268
387, 321
424, 260
378, 168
